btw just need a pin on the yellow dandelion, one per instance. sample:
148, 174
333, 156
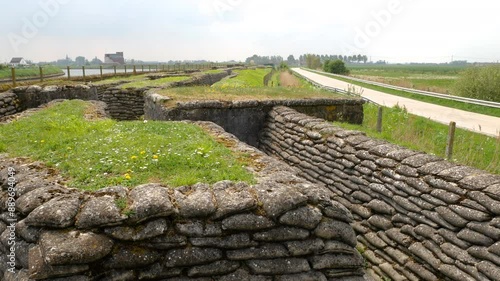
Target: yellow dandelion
133, 157
155, 156
143, 152
68, 148
42, 141
127, 176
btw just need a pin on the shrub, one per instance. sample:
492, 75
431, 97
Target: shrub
335, 66
480, 83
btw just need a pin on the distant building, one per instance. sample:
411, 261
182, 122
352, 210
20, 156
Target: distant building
15, 62
114, 58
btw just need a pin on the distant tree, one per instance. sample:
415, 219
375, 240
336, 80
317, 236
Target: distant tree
335, 66
291, 60
80, 60
96, 61
341, 58
313, 61
480, 83
302, 60
365, 58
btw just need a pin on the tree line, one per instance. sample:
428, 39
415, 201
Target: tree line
307, 60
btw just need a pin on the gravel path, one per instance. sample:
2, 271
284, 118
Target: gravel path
480, 123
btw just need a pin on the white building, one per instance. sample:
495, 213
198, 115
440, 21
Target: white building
15, 62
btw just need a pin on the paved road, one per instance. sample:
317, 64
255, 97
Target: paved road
485, 124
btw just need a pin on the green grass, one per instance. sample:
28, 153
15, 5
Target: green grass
238, 94
275, 80
422, 134
245, 78
402, 70
131, 78
448, 103
213, 71
154, 83
100, 153
6, 73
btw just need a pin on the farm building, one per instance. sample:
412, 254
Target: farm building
15, 62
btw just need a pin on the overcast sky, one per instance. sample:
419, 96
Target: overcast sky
220, 30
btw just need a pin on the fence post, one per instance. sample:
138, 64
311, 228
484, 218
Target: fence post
83, 70
41, 74
379, 119
100, 69
450, 140
149, 68
135, 72
125, 67
142, 66
114, 66
69, 75
13, 70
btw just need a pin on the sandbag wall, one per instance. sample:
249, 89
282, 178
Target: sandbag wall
282, 228
417, 216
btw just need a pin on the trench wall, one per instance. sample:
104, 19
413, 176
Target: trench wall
245, 119
281, 228
22, 98
416, 216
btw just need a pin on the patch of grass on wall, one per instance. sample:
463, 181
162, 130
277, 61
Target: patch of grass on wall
100, 153
422, 134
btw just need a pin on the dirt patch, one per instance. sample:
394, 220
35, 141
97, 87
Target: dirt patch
289, 80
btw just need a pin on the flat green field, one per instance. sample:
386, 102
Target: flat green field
23, 72
97, 153
245, 78
427, 77
238, 94
444, 102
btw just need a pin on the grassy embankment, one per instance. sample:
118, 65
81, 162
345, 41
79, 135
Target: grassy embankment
438, 101
248, 85
25, 72
422, 134
100, 153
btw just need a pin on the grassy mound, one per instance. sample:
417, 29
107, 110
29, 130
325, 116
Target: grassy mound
100, 153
